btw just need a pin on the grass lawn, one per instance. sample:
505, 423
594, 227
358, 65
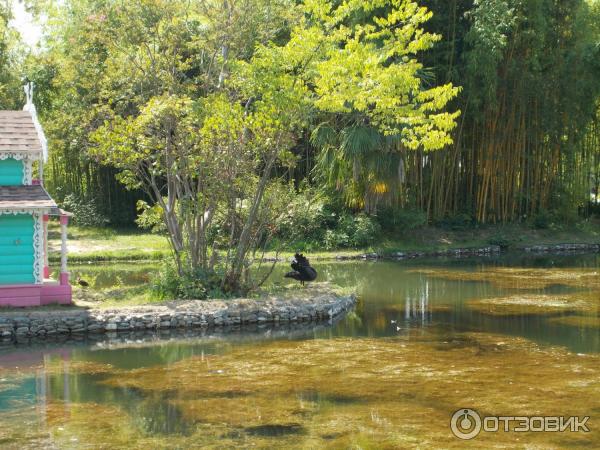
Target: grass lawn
109, 244
119, 283
515, 236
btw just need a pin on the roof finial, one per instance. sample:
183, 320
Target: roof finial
29, 106
28, 95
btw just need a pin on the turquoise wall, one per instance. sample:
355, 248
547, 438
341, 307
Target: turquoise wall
11, 172
16, 249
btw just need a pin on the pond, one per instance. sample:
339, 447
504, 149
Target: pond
508, 336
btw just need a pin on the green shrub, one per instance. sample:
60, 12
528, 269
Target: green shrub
85, 212
542, 220
200, 285
150, 217
366, 230
336, 239
395, 219
352, 231
304, 220
313, 221
500, 240
166, 283
457, 222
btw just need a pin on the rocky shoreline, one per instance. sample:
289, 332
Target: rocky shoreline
488, 250
148, 337
562, 248
458, 252
473, 251
315, 304
480, 251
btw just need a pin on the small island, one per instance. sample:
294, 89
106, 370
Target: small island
316, 304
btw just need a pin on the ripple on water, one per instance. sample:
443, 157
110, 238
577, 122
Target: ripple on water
331, 393
522, 278
346, 392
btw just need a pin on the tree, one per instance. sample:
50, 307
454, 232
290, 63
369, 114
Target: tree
209, 152
364, 141
530, 76
11, 55
523, 144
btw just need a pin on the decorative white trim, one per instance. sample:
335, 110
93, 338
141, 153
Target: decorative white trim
30, 107
38, 248
45, 225
23, 211
20, 156
27, 172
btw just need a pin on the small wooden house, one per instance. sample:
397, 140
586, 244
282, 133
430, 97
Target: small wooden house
25, 209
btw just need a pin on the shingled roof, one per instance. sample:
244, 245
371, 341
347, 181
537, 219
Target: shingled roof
25, 197
18, 133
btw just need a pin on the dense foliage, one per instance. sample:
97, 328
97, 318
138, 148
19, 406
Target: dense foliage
256, 124
11, 56
526, 141
531, 76
201, 105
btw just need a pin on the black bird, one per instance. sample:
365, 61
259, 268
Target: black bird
302, 270
82, 283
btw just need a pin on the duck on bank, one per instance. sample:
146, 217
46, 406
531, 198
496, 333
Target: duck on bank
303, 271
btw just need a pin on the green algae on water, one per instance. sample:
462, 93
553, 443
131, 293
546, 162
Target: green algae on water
396, 392
523, 304
323, 393
522, 278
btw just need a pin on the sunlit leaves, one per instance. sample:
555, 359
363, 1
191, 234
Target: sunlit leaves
368, 73
369, 67
11, 59
198, 102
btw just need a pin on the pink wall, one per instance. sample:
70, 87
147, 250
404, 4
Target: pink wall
35, 295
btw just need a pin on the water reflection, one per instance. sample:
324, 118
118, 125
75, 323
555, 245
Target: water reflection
396, 296
304, 394
394, 367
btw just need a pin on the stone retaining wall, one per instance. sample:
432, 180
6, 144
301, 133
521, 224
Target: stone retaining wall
56, 343
563, 248
312, 304
479, 251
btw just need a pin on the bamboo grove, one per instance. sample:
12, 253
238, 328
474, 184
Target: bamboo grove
527, 140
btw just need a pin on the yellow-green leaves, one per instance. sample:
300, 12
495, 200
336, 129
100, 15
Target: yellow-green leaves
203, 102
369, 66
